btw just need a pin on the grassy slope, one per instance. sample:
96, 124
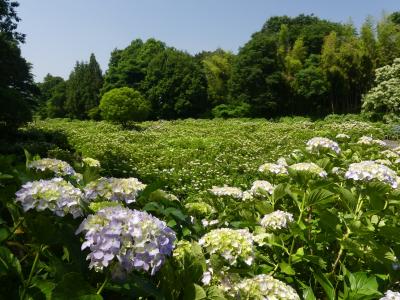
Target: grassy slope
187, 156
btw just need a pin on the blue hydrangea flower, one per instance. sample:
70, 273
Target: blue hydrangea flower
56, 194
370, 170
126, 240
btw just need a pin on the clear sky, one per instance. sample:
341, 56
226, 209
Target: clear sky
60, 32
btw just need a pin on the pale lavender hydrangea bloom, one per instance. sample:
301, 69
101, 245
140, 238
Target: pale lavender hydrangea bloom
260, 187
114, 189
126, 240
57, 195
320, 143
370, 170
59, 167
277, 220
228, 191
310, 168
390, 295
273, 168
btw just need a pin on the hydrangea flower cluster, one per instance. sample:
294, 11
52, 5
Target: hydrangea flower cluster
390, 295
126, 240
59, 167
367, 140
91, 162
57, 195
390, 154
273, 168
233, 192
282, 161
199, 208
370, 170
260, 187
320, 143
114, 189
342, 137
310, 168
230, 244
276, 220
265, 287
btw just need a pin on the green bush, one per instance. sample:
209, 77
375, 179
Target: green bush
124, 104
231, 110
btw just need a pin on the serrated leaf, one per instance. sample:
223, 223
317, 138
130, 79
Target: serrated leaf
319, 196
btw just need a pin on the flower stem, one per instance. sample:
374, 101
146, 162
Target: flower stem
102, 286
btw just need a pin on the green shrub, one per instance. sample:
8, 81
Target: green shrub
231, 110
124, 104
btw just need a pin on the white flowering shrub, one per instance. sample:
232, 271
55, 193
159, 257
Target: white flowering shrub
390, 295
278, 169
261, 187
384, 98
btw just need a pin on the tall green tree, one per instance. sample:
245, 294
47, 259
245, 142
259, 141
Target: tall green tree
83, 89
128, 67
52, 97
388, 35
218, 70
175, 85
17, 89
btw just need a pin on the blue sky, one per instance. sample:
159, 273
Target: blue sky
61, 32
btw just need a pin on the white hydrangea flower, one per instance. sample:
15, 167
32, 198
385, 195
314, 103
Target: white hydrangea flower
230, 244
114, 189
277, 220
265, 287
260, 238
91, 162
390, 154
319, 143
59, 167
207, 223
370, 170
385, 162
57, 195
311, 168
221, 191
247, 196
342, 137
282, 161
273, 168
367, 140
390, 295
260, 187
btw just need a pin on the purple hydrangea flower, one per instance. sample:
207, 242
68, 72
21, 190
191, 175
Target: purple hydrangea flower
126, 240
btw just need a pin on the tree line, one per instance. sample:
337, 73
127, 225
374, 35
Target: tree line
300, 65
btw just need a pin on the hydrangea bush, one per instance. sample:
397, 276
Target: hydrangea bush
319, 222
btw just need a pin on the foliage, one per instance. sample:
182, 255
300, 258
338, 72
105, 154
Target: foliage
123, 105
383, 100
324, 229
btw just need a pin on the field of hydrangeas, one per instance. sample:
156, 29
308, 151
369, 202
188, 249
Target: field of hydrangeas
202, 209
